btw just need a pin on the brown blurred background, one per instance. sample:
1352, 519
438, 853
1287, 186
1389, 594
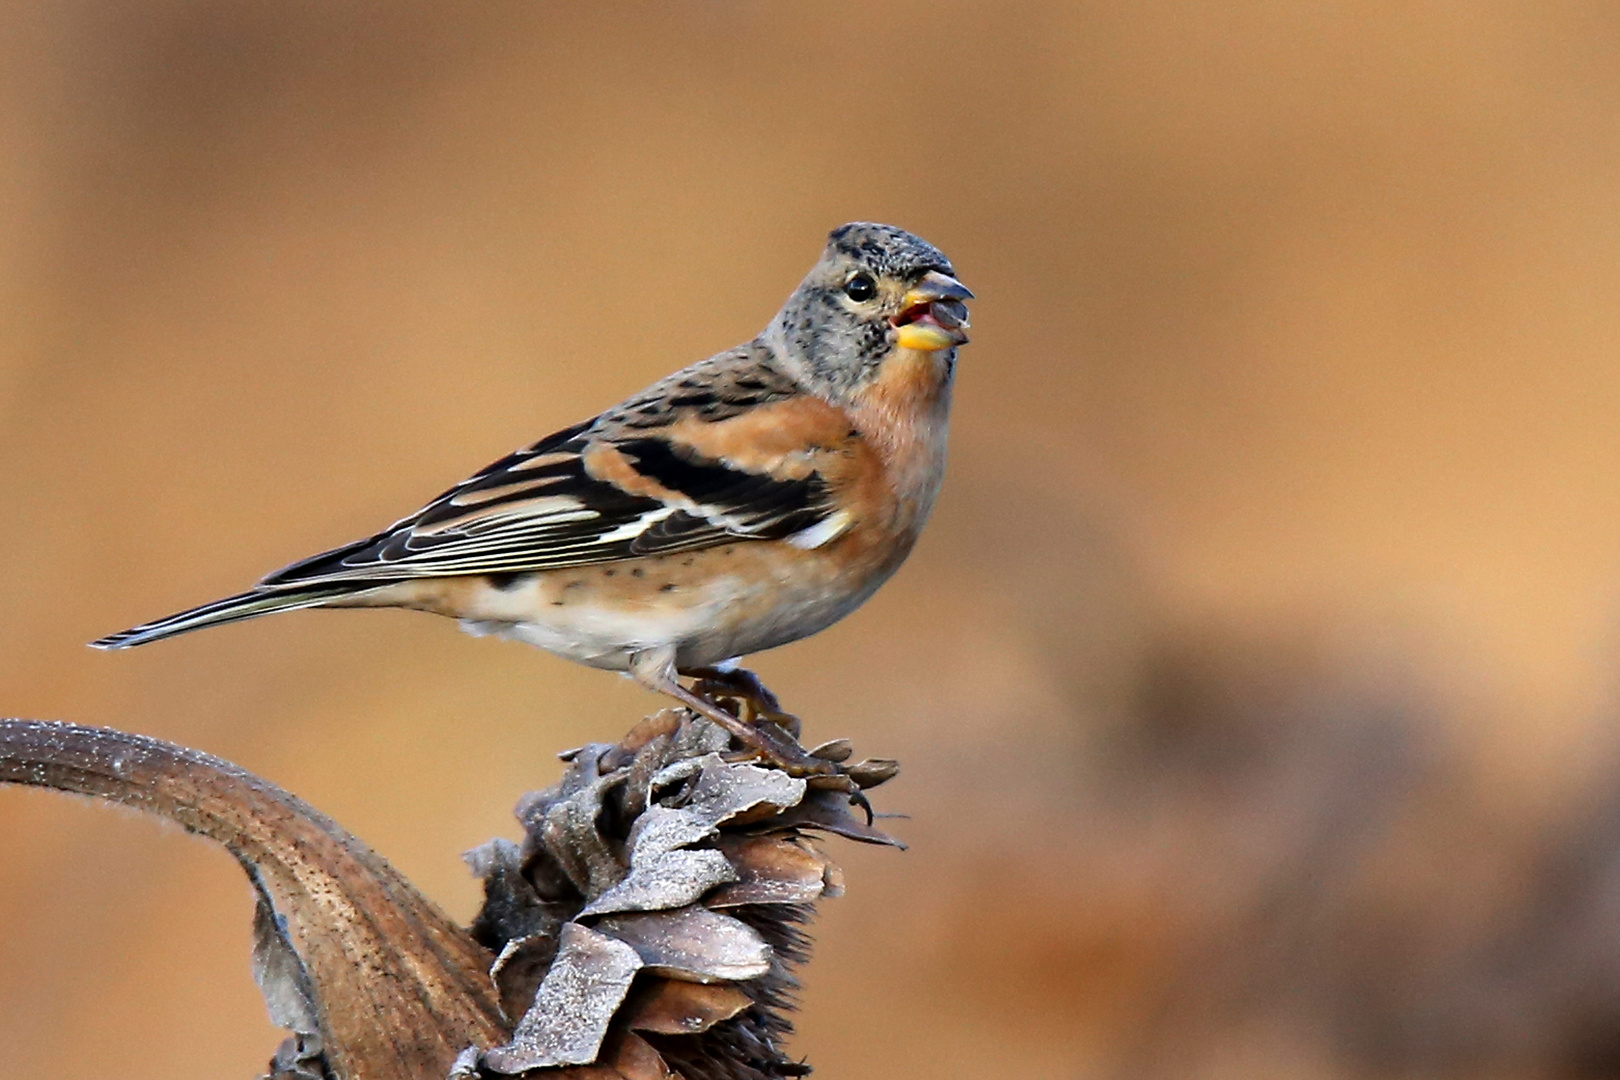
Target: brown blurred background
1255, 681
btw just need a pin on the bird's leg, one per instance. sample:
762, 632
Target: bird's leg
745, 686
655, 669
742, 685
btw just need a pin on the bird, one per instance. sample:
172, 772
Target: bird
744, 502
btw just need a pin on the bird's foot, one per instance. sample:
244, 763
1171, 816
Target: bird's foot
772, 734
765, 741
762, 737
745, 688
740, 703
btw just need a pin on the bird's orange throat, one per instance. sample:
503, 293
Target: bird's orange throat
905, 414
913, 386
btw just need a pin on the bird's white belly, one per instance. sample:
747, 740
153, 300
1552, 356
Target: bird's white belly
601, 639
706, 617
574, 617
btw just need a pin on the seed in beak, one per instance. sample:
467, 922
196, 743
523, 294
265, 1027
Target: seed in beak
951, 314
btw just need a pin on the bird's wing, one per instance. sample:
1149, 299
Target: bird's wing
605, 490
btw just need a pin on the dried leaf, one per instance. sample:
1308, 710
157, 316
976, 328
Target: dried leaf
281, 975
673, 1007
519, 971
493, 856
575, 1004
643, 766
671, 880
513, 906
625, 1056
828, 811
660, 725
468, 1065
299, 1057
834, 750
770, 870
581, 1072
662, 829
591, 751
832, 881
699, 736
635, 1059
571, 837
873, 771
693, 943
724, 790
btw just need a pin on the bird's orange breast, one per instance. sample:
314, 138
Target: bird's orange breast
904, 415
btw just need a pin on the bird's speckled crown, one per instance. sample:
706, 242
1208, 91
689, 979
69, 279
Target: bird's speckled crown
888, 250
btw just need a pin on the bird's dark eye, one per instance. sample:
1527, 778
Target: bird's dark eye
860, 288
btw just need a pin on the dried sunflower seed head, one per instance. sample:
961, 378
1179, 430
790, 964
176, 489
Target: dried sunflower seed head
689, 876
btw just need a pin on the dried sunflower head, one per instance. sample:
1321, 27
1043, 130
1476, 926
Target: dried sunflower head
650, 921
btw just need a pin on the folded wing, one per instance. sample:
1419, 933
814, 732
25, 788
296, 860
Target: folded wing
542, 508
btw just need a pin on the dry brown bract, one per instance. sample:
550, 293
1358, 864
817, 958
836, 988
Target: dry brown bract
645, 928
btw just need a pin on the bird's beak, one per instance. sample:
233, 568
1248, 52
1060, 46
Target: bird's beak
933, 315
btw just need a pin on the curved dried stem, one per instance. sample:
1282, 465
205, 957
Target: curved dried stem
374, 980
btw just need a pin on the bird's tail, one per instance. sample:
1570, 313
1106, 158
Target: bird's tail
246, 605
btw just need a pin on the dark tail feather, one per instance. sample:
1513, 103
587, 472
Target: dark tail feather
246, 605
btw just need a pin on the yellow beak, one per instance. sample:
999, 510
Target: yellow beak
925, 338
933, 313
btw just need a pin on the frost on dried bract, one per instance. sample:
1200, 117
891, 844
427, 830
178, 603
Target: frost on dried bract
650, 921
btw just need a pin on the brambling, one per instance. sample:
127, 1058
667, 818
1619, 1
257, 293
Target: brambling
747, 501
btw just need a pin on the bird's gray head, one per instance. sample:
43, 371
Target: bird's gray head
876, 290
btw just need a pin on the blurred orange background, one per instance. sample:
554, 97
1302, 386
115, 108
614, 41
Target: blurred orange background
1255, 681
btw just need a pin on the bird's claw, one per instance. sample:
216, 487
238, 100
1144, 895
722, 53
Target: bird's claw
769, 733
744, 687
